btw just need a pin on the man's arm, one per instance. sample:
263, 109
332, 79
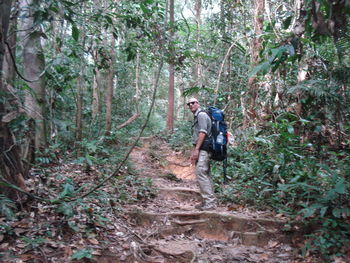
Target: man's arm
195, 152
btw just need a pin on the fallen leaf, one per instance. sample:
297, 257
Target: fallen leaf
4, 246
93, 241
20, 231
97, 253
27, 257
272, 244
21, 245
67, 252
264, 257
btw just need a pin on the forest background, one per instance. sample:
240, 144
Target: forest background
83, 80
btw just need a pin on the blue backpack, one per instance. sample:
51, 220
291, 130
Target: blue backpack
217, 143
219, 134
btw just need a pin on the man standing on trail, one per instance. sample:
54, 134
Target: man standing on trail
201, 132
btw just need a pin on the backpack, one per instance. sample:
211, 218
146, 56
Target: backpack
217, 143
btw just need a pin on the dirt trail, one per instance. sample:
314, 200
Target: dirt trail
175, 231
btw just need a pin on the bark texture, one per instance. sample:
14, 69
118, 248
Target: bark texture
33, 66
95, 95
256, 45
11, 169
170, 116
10, 52
110, 88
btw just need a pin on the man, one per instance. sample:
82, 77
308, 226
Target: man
201, 132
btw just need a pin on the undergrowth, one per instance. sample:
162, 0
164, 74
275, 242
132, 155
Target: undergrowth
275, 169
309, 184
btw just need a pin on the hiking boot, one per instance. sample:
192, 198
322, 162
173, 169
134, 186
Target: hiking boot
208, 207
199, 206
205, 207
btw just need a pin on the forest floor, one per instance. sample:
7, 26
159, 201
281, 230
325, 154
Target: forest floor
160, 225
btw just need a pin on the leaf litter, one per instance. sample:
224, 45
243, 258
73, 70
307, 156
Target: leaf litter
102, 227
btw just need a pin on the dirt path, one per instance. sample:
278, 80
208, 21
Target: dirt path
172, 230
148, 225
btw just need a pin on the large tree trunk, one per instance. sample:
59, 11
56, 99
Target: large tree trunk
96, 94
198, 65
170, 116
10, 162
110, 88
34, 66
8, 67
259, 7
79, 104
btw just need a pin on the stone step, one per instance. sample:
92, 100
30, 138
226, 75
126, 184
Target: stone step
213, 225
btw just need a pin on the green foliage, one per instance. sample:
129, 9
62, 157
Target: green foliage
181, 137
7, 207
276, 57
80, 254
274, 169
33, 242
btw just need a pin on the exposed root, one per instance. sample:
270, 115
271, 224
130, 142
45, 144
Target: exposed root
179, 164
140, 255
177, 255
192, 222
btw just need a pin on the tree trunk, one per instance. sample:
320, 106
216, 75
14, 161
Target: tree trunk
11, 169
170, 116
34, 66
79, 104
110, 88
9, 67
198, 66
259, 7
95, 94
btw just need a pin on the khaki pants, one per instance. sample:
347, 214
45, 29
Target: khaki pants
204, 180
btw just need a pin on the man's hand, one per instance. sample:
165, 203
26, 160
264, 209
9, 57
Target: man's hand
195, 152
194, 156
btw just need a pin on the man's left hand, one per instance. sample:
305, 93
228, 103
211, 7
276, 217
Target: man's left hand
194, 156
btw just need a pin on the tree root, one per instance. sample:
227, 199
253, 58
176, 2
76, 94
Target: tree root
191, 222
166, 253
140, 255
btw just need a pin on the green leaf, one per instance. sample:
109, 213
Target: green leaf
323, 211
309, 211
75, 33
109, 20
340, 186
290, 50
65, 209
144, 8
80, 254
286, 23
318, 129
290, 129
68, 190
336, 212
263, 67
73, 226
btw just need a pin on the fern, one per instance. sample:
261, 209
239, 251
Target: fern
7, 207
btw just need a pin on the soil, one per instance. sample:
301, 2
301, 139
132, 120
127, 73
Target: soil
161, 226
173, 230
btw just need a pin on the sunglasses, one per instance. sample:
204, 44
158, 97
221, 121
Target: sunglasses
191, 103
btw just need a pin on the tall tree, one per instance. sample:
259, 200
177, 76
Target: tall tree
256, 45
11, 169
96, 93
197, 78
33, 66
110, 86
9, 67
170, 116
